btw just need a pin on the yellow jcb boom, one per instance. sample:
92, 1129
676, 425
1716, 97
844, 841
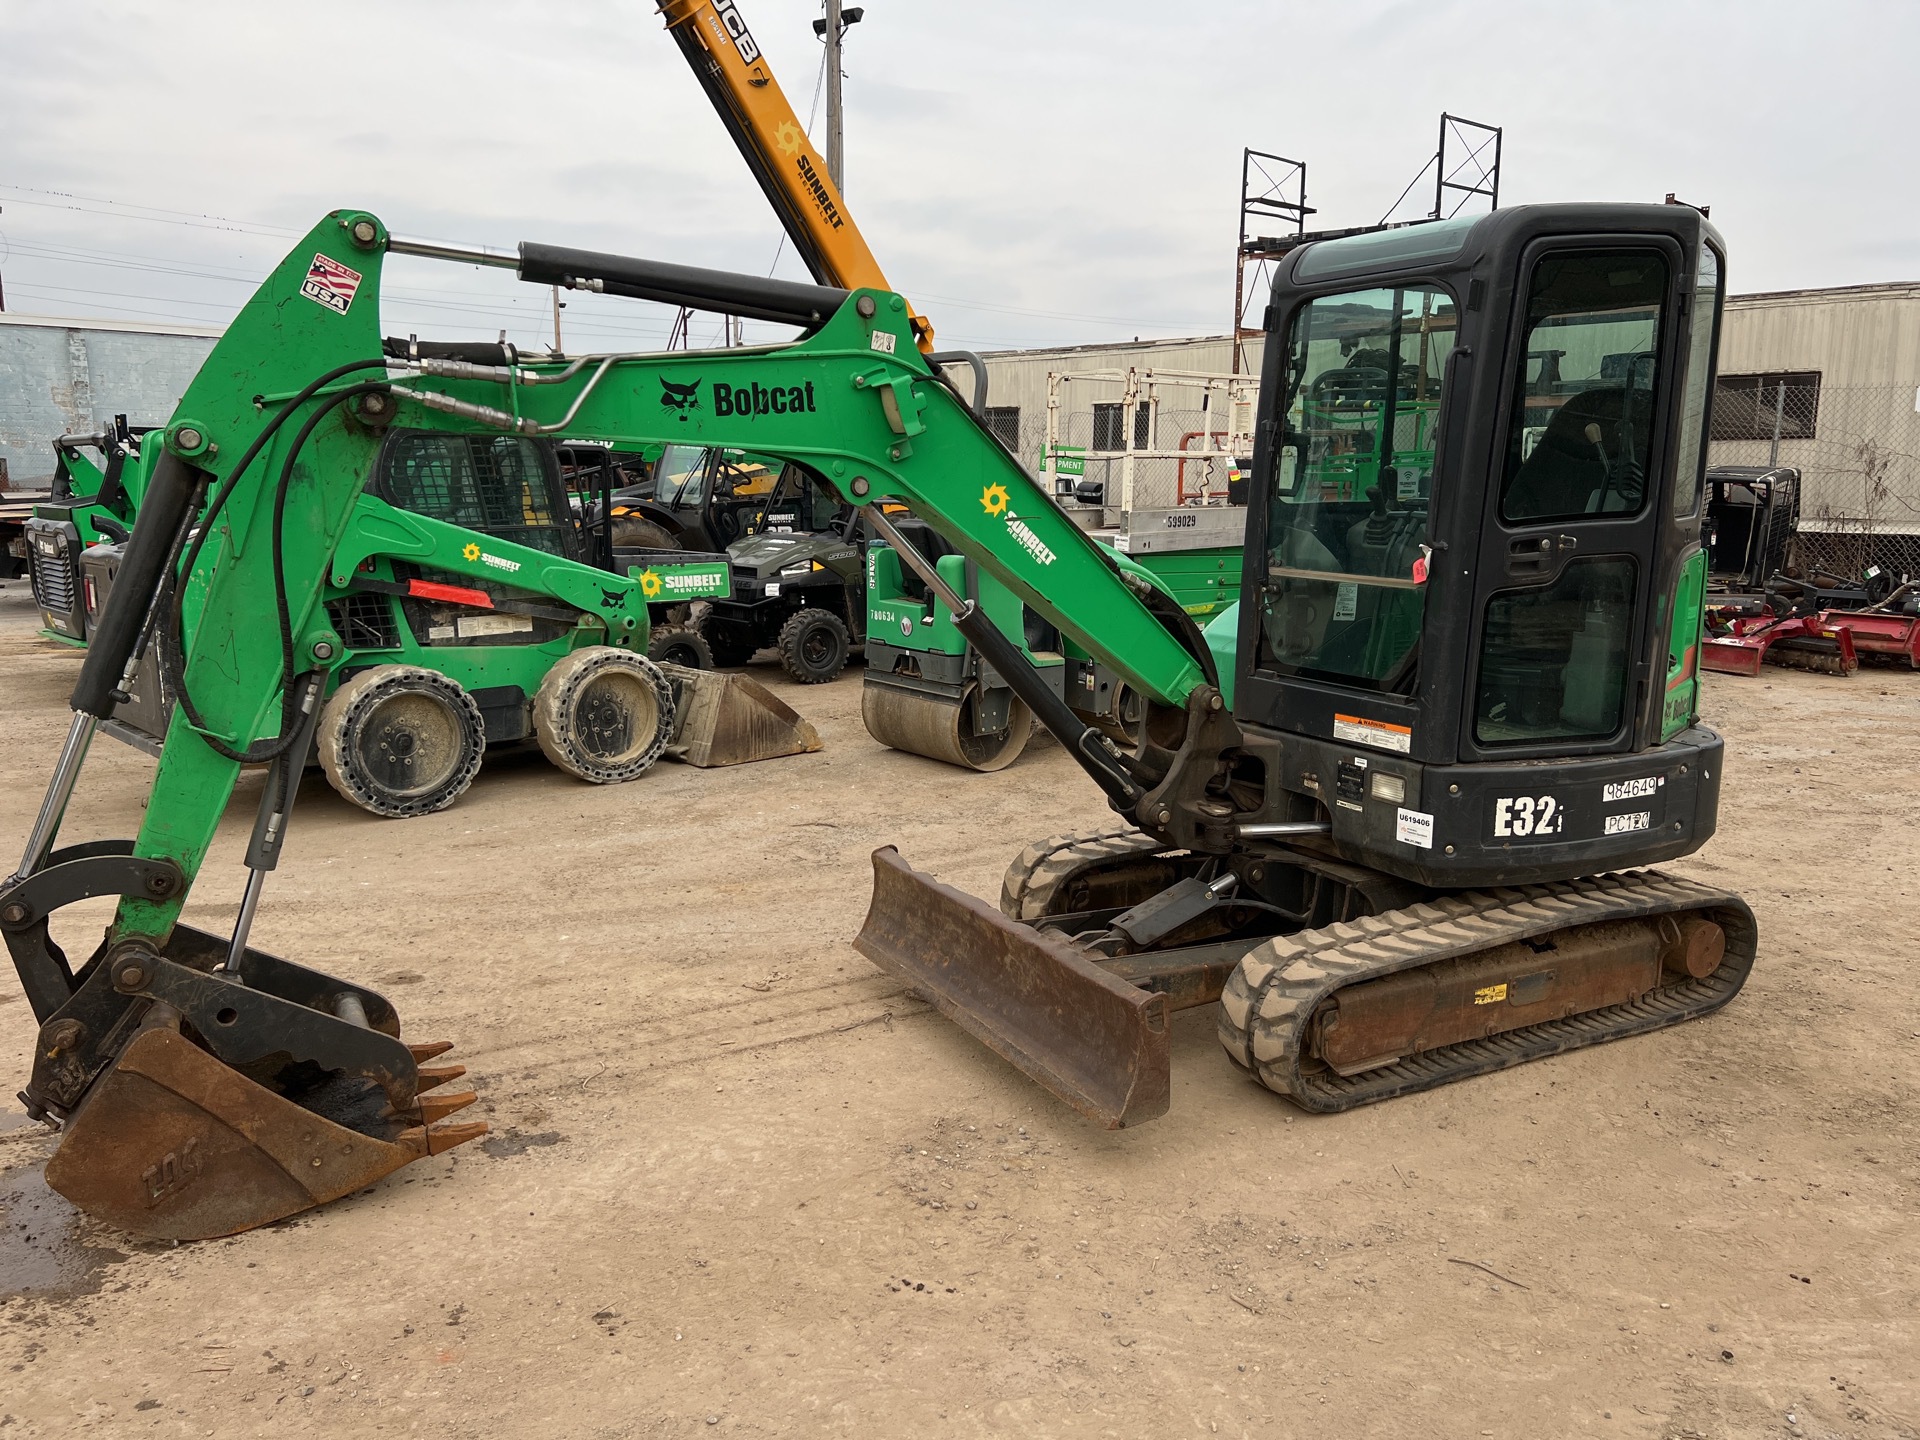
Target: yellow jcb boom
726, 59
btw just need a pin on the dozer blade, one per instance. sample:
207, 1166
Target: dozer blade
172, 1144
726, 719
1097, 1042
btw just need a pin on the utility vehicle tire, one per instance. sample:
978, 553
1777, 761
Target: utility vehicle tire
679, 645
814, 646
729, 645
635, 532
401, 740
603, 714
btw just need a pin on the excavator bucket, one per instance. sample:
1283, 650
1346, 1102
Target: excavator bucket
722, 718
1094, 1040
172, 1144
235, 1102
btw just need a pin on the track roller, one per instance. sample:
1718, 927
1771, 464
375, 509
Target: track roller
943, 729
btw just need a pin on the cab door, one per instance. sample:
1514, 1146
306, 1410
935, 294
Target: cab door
1571, 552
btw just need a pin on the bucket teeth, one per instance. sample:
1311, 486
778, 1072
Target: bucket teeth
444, 1136
443, 1103
435, 1075
428, 1049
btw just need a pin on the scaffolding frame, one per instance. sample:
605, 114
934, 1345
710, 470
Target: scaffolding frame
1272, 188
1234, 398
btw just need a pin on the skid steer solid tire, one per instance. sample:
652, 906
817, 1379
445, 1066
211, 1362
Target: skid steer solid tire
814, 646
401, 740
679, 645
603, 715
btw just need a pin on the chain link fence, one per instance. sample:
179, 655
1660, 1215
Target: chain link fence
1857, 449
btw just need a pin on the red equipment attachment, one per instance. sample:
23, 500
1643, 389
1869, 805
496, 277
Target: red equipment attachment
1805, 642
1896, 637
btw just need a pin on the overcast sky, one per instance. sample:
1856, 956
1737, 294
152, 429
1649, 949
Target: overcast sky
1027, 174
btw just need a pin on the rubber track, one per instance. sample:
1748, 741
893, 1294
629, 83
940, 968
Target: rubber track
1038, 872
1271, 997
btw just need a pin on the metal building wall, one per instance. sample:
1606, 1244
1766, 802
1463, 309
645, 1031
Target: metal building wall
1861, 467
1019, 377
62, 376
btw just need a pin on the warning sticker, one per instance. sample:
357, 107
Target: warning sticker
331, 283
1414, 827
1490, 994
1380, 734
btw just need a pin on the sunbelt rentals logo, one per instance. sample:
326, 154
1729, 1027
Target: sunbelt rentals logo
995, 500
474, 552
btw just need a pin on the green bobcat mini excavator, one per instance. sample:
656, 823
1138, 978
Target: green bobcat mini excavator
1397, 830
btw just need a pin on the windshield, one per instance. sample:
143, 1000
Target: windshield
680, 466
1352, 484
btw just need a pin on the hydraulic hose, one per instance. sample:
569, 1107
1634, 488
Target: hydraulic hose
172, 649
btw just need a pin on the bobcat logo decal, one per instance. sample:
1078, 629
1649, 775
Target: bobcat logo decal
679, 397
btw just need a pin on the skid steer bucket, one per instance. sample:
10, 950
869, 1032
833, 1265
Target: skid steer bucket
727, 719
1094, 1040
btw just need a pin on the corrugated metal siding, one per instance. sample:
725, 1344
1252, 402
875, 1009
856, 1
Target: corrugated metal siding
57, 379
1869, 336
1862, 467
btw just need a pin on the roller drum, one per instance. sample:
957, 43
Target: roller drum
943, 729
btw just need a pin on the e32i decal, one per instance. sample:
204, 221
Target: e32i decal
1519, 816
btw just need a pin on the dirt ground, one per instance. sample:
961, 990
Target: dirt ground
740, 1184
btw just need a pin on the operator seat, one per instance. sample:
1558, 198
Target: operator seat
1566, 475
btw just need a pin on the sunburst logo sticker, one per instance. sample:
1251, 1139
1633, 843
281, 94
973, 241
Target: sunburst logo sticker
472, 552
994, 498
649, 584
787, 139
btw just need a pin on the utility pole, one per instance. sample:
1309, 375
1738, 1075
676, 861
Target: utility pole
558, 348
832, 29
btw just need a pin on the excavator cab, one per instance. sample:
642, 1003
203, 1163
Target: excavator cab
1478, 492
1463, 704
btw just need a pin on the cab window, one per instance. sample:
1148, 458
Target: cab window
1583, 409
1351, 485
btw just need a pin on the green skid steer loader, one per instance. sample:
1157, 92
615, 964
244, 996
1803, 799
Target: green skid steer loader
468, 617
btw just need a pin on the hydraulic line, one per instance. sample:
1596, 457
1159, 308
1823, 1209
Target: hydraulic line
172, 653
